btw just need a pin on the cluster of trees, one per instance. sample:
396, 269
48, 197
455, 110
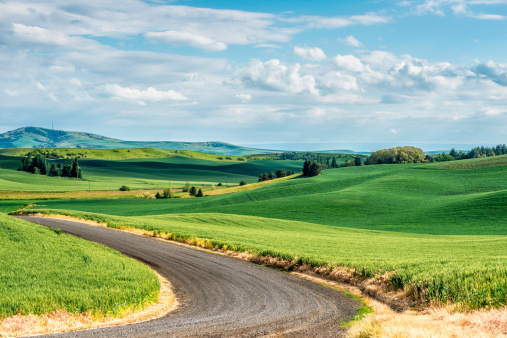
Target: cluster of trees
36, 162
168, 193
311, 168
406, 154
476, 152
271, 176
192, 190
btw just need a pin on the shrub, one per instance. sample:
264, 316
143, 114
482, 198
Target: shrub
219, 184
124, 188
168, 193
186, 187
242, 183
36, 171
157, 196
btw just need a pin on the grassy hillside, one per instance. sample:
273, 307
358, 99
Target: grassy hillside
152, 173
439, 231
401, 198
33, 137
120, 154
43, 270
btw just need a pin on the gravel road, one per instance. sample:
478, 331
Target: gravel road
219, 296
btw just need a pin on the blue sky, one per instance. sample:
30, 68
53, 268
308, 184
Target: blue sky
356, 74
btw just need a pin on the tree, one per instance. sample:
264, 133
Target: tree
333, 163
36, 171
53, 170
168, 193
124, 188
199, 193
186, 187
453, 153
193, 191
75, 168
281, 173
66, 170
306, 167
242, 183
157, 195
315, 169
357, 161
219, 184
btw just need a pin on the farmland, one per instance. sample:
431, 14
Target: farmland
42, 271
140, 173
439, 232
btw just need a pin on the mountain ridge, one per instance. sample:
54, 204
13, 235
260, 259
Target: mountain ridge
36, 137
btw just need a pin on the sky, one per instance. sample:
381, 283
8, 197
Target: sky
355, 74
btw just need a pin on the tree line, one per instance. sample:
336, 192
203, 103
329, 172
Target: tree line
37, 163
406, 154
476, 152
271, 176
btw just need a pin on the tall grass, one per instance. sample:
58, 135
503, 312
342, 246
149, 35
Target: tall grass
43, 271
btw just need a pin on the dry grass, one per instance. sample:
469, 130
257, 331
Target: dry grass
13, 195
62, 321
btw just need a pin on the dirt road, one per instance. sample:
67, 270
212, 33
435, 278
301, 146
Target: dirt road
219, 296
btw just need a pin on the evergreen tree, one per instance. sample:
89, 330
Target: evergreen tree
306, 167
357, 161
333, 163
272, 176
199, 193
315, 169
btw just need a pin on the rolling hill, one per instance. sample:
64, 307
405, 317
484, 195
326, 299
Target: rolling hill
33, 137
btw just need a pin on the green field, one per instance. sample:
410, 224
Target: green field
440, 231
43, 271
143, 173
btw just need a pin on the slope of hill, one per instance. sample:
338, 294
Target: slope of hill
435, 232
33, 137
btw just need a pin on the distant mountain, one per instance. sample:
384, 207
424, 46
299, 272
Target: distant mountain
33, 137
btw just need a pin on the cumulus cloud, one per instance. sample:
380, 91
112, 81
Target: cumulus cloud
278, 76
178, 38
351, 41
140, 96
313, 54
492, 71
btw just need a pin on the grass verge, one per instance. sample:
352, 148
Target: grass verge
44, 271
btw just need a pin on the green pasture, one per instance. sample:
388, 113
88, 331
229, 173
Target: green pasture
439, 231
152, 173
43, 271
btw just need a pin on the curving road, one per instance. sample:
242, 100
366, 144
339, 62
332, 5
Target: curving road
219, 296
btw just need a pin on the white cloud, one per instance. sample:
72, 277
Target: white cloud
178, 38
349, 62
275, 75
490, 111
313, 54
338, 22
351, 41
458, 7
244, 97
140, 96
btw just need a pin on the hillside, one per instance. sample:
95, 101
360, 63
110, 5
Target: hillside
437, 233
33, 137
